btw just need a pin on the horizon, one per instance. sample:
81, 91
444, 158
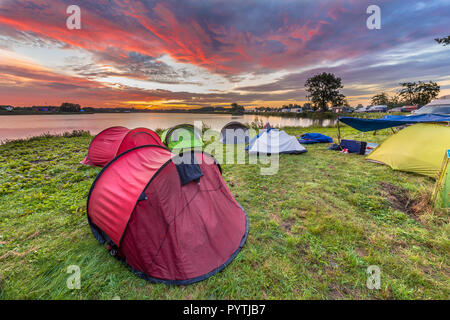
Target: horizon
190, 54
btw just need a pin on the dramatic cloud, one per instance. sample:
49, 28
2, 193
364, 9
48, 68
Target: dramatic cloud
193, 52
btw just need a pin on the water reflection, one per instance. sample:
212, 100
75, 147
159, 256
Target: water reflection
22, 126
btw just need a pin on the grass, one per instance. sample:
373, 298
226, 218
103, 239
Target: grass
315, 227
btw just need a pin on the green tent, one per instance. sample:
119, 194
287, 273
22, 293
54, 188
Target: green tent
182, 136
441, 193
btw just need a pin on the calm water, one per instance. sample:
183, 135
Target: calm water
22, 126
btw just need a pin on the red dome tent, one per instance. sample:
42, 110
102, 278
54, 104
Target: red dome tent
113, 141
171, 219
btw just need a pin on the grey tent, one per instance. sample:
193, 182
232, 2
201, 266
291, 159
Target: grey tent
234, 133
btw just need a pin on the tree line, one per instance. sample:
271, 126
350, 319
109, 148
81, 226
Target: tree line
324, 91
411, 93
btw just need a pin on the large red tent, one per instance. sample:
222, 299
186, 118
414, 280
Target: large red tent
115, 140
171, 219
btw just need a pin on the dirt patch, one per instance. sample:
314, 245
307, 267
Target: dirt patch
275, 217
33, 235
337, 292
287, 224
401, 200
17, 254
303, 248
301, 213
42, 160
361, 252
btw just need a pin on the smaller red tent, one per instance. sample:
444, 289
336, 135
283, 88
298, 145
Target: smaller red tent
113, 141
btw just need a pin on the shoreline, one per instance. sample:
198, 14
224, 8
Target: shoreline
311, 123
81, 132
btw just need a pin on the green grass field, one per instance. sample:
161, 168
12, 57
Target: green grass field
315, 227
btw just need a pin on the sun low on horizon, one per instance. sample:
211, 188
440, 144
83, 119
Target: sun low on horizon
185, 54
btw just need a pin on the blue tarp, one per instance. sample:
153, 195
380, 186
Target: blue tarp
392, 121
309, 138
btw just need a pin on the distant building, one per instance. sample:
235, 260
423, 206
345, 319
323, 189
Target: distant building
378, 108
363, 109
337, 109
341, 109
398, 109
409, 108
45, 108
307, 107
7, 108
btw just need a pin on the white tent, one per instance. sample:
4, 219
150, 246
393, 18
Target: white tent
440, 102
275, 141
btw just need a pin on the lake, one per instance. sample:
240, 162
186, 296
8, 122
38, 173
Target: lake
23, 126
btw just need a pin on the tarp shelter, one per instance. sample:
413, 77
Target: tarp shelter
441, 193
113, 141
310, 138
171, 219
181, 137
417, 148
234, 133
391, 121
273, 141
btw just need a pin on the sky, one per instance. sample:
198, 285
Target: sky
192, 53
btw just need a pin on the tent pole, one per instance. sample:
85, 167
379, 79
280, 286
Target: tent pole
339, 132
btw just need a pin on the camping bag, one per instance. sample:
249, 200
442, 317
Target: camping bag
354, 146
310, 138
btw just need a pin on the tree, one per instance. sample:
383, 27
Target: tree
69, 107
380, 99
339, 101
237, 109
444, 41
419, 93
89, 109
323, 90
407, 92
384, 99
394, 102
426, 92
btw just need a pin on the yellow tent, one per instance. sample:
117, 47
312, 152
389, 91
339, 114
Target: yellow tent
417, 148
441, 193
